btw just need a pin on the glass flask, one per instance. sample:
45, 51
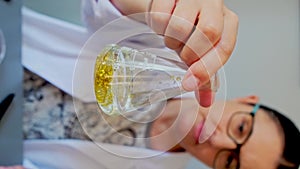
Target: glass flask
127, 79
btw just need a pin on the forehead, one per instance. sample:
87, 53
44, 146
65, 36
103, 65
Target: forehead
265, 145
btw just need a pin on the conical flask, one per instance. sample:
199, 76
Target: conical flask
127, 79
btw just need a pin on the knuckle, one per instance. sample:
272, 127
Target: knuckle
180, 26
201, 72
211, 31
158, 22
177, 33
172, 43
225, 49
188, 56
159, 18
204, 77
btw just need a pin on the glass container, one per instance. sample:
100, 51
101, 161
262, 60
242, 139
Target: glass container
127, 79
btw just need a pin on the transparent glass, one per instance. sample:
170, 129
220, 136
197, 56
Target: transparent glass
126, 79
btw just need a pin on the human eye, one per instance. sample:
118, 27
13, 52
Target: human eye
226, 160
241, 129
231, 162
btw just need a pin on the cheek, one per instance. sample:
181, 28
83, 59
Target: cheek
185, 125
205, 153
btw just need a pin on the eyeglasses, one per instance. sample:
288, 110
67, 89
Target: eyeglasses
239, 129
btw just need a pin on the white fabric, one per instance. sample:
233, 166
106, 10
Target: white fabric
50, 47
76, 154
96, 14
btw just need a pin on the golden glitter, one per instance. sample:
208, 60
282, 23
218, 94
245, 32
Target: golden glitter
178, 78
103, 77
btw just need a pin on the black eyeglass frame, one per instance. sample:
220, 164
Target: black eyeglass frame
236, 151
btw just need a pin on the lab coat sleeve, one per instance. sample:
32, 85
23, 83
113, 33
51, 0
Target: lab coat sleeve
97, 14
91, 155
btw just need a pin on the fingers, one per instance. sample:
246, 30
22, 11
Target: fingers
181, 25
160, 13
201, 71
206, 34
206, 93
205, 97
203, 34
177, 20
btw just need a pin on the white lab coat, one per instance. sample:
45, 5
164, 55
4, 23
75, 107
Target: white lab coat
78, 154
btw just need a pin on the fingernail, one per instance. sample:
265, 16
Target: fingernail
206, 98
190, 83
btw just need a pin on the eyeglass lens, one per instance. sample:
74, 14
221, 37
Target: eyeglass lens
239, 129
226, 160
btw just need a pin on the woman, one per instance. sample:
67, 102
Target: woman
49, 113
249, 135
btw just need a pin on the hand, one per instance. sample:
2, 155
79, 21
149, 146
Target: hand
202, 32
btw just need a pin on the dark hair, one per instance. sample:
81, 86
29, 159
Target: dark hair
291, 138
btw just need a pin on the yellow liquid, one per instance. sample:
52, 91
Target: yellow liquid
103, 77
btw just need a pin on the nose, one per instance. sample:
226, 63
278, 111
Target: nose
221, 140
213, 121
